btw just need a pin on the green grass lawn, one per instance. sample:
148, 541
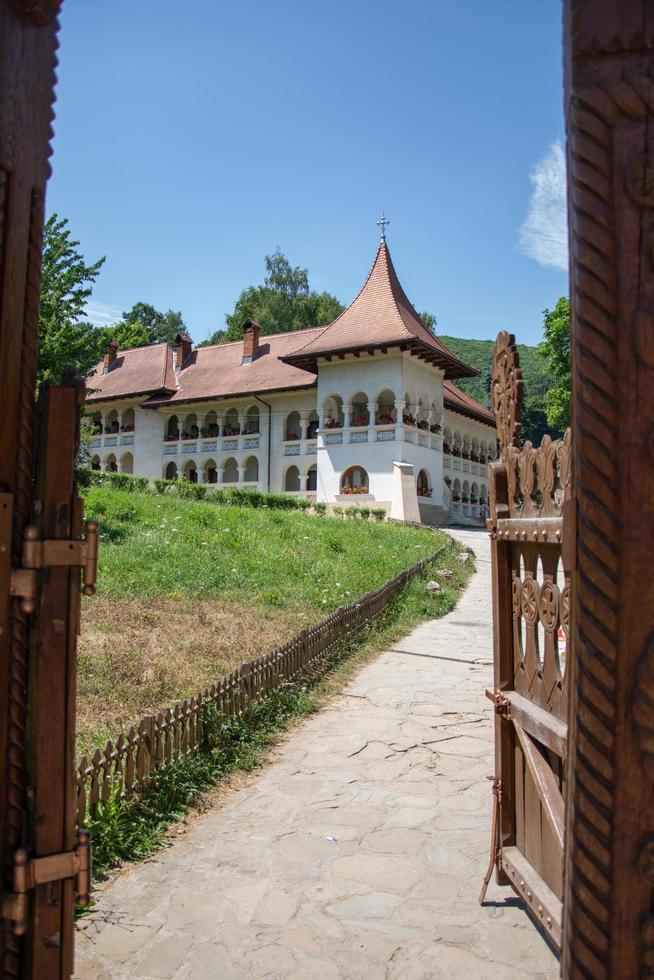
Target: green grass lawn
188, 590
158, 546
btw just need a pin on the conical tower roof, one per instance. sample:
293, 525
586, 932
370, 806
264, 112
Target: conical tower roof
381, 316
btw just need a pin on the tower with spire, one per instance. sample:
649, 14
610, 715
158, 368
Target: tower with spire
381, 375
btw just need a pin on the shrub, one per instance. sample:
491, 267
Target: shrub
365, 512
337, 511
352, 512
378, 513
319, 507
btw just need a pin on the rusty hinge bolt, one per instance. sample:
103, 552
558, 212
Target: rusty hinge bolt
28, 872
501, 703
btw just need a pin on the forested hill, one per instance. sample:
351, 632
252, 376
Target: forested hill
478, 354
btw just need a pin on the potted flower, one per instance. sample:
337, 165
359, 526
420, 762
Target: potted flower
409, 419
456, 498
435, 427
358, 421
291, 436
384, 418
332, 423
423, 424
456, 452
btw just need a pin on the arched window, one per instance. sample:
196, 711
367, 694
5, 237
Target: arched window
172, 430
359, 414
231, 425
230, 471
354, 480
422, 411
293, 428
190, 472
312, 431
312, 478
111, 466
210, 429
111, 422
127, 463
171, 471
292, 479
210, 471
190, 429
251, 426
95, 463
409, 413
251, 474
456, 491
474, 494
423, 484
128, 421
333, 411
465, 493
447, 440
386, 411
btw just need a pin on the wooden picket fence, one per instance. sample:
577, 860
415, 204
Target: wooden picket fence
123, 767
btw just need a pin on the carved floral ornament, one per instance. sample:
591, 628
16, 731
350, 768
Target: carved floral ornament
506, 391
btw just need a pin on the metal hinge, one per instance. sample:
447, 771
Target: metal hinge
502, 704
63, 552
28, 872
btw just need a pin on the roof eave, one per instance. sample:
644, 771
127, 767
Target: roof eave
126, 394
468, 412
450, 365
160, 403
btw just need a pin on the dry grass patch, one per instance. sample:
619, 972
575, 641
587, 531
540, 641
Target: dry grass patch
135, 657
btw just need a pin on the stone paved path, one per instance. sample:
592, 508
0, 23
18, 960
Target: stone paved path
357, 853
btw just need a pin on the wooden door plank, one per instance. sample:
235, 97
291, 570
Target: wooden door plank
546, 784
540, 900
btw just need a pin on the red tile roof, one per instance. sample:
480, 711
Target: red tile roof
139, 371
217, 371
381, 316
457, 401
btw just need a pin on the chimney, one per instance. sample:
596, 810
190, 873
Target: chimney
110, 354
251, 331
183, 346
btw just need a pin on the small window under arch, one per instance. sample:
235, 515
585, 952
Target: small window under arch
355, 480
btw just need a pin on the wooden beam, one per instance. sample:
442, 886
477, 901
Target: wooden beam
546, 783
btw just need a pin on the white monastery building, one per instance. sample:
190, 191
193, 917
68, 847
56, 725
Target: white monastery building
363, 411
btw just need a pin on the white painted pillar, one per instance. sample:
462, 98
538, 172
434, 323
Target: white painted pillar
404, 499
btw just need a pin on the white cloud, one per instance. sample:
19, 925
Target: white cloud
544, 232
101, 314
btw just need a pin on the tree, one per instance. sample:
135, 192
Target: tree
160, 328
429, 320
284, 302
555, 347
65, 336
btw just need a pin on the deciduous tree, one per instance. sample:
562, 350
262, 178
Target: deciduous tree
65, 335
555, 347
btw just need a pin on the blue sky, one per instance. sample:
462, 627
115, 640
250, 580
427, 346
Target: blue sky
192, 139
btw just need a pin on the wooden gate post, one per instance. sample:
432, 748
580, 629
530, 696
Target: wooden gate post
609, 101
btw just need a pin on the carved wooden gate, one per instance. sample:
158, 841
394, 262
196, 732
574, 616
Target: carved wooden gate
531, 603
40, 549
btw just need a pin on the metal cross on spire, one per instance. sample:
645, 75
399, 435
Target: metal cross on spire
383, 221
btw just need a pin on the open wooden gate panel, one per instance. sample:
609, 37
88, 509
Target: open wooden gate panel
530, 488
